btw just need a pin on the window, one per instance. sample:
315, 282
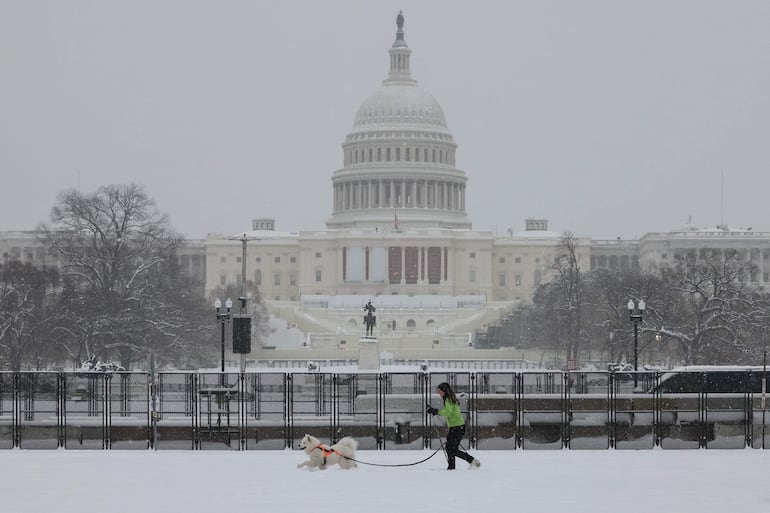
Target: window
277, 260
502, 260
538, 278
518, 260
222, 260
765, 276
518, 280
398, 153
222, 280
293, 260
379, 154
537, 260
472, 275
238, 260
387, 154
258, 259
258, 278
407, 155
664, 256
293, 279
473, 254
501, 279
277, 279
318, 254
318, 275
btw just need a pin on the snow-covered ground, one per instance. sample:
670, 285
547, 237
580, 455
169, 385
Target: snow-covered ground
613, 481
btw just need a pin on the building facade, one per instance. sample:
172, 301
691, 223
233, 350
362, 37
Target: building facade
399, 226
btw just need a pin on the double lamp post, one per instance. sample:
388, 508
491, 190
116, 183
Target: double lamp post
222, 318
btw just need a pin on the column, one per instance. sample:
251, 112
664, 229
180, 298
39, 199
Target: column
403, 265
414, 194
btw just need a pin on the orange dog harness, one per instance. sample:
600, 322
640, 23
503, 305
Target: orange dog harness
326, 451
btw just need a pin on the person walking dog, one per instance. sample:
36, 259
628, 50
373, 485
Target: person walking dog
456, 425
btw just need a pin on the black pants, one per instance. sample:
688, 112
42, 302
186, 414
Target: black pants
453, 439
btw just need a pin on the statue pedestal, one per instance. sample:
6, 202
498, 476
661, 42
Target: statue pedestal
368, 354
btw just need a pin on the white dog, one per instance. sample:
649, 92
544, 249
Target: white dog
321, 456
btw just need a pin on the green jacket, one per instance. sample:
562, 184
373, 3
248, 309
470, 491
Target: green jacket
452, 413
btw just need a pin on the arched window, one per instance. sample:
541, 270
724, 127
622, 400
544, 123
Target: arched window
411, 324
398, 154
379, 154
430, 322
387, 154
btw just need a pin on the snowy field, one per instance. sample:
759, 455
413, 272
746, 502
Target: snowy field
654, 481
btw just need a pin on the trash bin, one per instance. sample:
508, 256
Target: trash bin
403, 427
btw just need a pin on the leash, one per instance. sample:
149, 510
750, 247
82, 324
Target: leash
441, 448
440, 440
394, 464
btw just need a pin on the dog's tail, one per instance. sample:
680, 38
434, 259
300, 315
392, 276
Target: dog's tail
348, 442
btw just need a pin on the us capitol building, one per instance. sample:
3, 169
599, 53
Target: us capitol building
399, 234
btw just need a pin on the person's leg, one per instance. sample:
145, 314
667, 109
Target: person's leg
452, 445
459, 452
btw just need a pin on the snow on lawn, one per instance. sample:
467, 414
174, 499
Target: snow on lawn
652, 481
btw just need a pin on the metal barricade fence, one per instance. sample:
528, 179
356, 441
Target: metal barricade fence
273, 410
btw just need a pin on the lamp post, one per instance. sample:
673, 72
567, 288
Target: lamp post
635, 314
222, 318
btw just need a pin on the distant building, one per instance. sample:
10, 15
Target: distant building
399, 227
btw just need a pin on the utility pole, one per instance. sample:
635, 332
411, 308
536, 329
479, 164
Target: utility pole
243, 292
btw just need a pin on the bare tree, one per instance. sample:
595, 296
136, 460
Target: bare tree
710, 307
25, 298
569, 284
118, 254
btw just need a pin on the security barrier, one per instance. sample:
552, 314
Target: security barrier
273, 410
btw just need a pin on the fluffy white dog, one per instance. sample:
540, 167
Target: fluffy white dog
321, 456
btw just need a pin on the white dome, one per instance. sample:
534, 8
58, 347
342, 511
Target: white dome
400, 105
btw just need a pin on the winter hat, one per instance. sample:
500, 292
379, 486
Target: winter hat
444, 387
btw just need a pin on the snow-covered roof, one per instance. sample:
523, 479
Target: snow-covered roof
536, 234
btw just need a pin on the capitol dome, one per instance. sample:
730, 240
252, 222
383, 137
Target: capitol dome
399, 158
400, 105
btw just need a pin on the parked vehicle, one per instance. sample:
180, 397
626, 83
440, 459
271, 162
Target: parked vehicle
712, 379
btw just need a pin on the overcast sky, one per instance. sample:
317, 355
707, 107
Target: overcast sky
610, 118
